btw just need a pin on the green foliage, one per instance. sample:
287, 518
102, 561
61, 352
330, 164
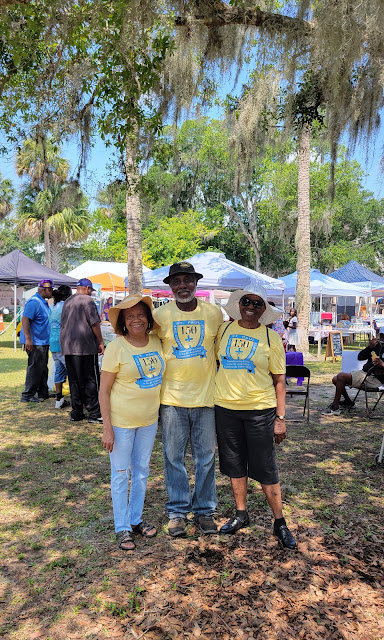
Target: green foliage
171, 239
107, 239
7, 193
10, 240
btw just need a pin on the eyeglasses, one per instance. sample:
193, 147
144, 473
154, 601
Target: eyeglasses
257, 304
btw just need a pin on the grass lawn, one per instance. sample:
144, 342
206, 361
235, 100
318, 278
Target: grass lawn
63, 576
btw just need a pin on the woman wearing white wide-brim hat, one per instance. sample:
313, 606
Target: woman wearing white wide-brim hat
131, 376
250, 404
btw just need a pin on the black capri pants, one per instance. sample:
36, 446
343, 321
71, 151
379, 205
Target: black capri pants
246, 444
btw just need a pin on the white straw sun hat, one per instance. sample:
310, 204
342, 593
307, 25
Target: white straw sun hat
232, 307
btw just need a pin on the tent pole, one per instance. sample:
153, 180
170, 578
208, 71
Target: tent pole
319, 340
15, 315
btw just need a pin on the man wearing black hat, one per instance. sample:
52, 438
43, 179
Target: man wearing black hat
81, 342
35, 336
188, 328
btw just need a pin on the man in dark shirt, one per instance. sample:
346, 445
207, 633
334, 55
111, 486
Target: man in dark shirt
356, 378
81, 343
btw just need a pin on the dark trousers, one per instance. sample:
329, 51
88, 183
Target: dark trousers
84, 382
37, 372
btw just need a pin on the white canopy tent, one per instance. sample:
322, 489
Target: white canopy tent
218, 273
93, 267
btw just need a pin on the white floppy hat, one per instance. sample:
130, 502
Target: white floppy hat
232, 307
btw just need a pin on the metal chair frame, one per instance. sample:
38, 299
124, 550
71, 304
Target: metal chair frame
299, 371
364, 388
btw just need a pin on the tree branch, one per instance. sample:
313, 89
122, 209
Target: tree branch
223, 15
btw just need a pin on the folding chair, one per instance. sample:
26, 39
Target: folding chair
363, 387
299, 371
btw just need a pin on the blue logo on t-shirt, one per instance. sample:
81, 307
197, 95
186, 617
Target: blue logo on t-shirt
239, 352
189, 336
151, 367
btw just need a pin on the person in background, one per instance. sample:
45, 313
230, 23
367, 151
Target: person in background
131, 377
106, 308
374, 354
250, 405
81, 343
344, 321
34, 336
278, 325
60, 294
293, 334
188, 329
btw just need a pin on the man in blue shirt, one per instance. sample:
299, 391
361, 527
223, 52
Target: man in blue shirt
35, 336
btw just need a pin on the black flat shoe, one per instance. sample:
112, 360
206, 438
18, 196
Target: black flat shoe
285, 537
233, 525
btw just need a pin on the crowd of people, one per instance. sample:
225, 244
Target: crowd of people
207, 379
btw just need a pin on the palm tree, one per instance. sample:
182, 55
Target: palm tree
6, 194
40, 161
58, 213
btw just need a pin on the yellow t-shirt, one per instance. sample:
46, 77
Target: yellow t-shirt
188, 344
243, 380
135, 393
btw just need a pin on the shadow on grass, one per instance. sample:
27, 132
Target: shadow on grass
60, 552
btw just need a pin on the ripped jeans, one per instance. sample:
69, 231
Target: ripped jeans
130, 458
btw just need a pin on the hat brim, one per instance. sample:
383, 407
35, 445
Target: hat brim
127, 303
197, 275
232, 308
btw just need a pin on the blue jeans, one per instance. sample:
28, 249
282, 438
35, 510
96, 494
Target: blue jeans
179, 425
60, 370
130, 456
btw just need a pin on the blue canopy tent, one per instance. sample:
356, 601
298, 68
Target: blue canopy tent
322, 285
219, 273
354, 272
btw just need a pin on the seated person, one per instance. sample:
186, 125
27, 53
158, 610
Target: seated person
374, 354
344, 322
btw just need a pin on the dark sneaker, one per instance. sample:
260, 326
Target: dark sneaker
345, 403
331, 410
206, 524
284, 536
95, 420
177, 527
33, 399
77, 419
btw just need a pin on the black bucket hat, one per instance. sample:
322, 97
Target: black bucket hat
181, 267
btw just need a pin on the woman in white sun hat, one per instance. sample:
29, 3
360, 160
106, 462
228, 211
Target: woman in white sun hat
131, 376
250, 404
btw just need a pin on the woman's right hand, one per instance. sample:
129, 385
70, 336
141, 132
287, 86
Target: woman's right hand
108, 439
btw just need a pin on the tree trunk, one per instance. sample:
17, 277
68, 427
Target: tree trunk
250, 234
47, 243
303, 241
56, 252
133, 214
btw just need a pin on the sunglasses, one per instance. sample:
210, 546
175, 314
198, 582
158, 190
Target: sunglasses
257, 304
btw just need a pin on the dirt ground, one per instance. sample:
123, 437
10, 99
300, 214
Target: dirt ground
63, 577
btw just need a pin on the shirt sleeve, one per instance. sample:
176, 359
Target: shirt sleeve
277, 355
111, 359
30, 309
92, 313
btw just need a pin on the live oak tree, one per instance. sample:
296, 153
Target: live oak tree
111, 59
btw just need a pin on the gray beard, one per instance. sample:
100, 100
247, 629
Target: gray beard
183, 299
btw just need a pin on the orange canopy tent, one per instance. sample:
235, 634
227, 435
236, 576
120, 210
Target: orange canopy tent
109, 282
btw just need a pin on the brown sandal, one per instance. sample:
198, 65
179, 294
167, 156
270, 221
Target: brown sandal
125, 537
144, 528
